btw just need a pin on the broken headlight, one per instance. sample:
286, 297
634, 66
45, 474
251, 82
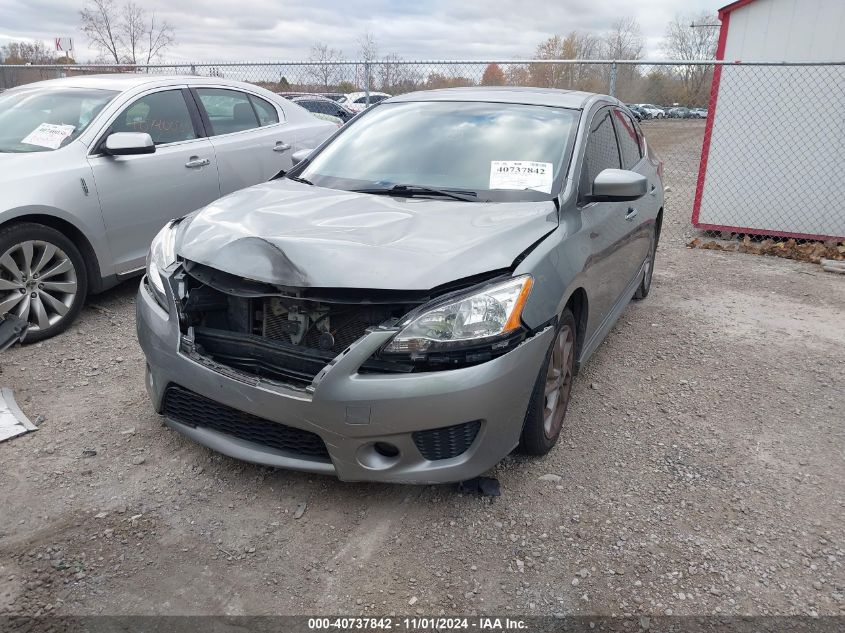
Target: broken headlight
162, 255
485, 316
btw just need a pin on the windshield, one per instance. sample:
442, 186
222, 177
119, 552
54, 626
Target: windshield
499, 151
38, 119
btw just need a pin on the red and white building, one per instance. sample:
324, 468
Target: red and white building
773, 158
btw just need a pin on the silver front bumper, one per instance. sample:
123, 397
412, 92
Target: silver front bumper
352, 411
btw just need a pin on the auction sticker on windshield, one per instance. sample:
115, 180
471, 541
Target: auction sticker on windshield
521, 175
48, 135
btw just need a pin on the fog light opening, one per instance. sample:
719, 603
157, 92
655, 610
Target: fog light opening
386, 450
378, 455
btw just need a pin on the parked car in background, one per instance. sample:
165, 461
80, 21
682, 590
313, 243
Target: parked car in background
357, 101
652, 111
91, 167
698, 113
318, 104
679, 113
414, 299
639, 113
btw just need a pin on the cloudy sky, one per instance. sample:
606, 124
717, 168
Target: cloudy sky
414, 29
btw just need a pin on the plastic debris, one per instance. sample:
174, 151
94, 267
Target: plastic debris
12, 420
12, 330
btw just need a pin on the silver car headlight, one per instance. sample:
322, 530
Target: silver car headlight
162, 255
486, 315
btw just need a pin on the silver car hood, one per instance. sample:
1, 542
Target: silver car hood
291, 234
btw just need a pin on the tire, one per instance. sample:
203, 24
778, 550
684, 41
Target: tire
645, 285
43, 278
542, 425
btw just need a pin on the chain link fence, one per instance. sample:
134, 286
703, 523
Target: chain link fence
752, 152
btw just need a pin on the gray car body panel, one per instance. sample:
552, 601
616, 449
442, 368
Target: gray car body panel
49, 184
596, 249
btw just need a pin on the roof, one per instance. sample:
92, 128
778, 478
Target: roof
127, 81
733, 6
504, 94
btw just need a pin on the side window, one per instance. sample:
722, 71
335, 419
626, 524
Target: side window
363, 100
602, 151
317, 106
267, 113
228, 110
163, 115
629, 143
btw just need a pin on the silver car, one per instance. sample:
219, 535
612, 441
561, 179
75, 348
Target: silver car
413, 301
92, 167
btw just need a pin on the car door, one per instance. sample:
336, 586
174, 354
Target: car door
139, 194
609, 265
251, 139
640, 213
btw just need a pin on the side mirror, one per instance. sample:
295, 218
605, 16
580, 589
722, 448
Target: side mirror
300, 155
618, 185
129, 144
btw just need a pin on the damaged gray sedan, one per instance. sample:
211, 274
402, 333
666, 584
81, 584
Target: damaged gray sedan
413, 300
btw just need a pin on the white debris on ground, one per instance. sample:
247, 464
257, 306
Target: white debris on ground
12, 420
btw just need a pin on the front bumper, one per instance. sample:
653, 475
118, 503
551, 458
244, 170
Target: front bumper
352, 412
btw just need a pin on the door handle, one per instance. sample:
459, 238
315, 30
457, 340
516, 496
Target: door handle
196, 161
281, 147
632, 213
653, 191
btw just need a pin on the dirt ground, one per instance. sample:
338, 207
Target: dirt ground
700, 472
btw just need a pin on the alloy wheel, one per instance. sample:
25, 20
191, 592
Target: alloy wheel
559, 380
38, 283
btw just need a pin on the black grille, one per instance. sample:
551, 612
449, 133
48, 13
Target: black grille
347, 324
446, 442
187, 407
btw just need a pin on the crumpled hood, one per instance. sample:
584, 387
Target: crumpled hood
291, 234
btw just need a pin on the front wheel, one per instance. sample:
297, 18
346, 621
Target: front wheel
552, 391
42, 279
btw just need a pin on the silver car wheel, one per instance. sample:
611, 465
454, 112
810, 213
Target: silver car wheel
38, 283
559, 380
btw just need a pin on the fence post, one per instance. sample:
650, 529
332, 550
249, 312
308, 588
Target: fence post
612, 88
367, 82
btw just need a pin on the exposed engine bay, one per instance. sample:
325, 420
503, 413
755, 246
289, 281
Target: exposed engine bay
287, 334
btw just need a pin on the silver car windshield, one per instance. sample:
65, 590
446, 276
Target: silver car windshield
38, 119
496, 151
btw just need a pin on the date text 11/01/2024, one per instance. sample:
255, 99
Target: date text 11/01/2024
417, 624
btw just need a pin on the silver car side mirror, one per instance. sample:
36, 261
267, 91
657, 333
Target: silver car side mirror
618, 185
300, 155
129, 144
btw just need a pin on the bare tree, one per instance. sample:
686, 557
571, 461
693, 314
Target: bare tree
26, 53
132, 27
367, 47
126, 34
624, 40
160, 36
683, 42
100, 22
396, 76
368, 53
326, 70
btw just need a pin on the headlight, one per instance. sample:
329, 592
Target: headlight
484, 316
162, 255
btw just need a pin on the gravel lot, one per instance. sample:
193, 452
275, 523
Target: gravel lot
700, 472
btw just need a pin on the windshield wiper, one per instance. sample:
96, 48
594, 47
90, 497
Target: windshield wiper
417, 190
304, 181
